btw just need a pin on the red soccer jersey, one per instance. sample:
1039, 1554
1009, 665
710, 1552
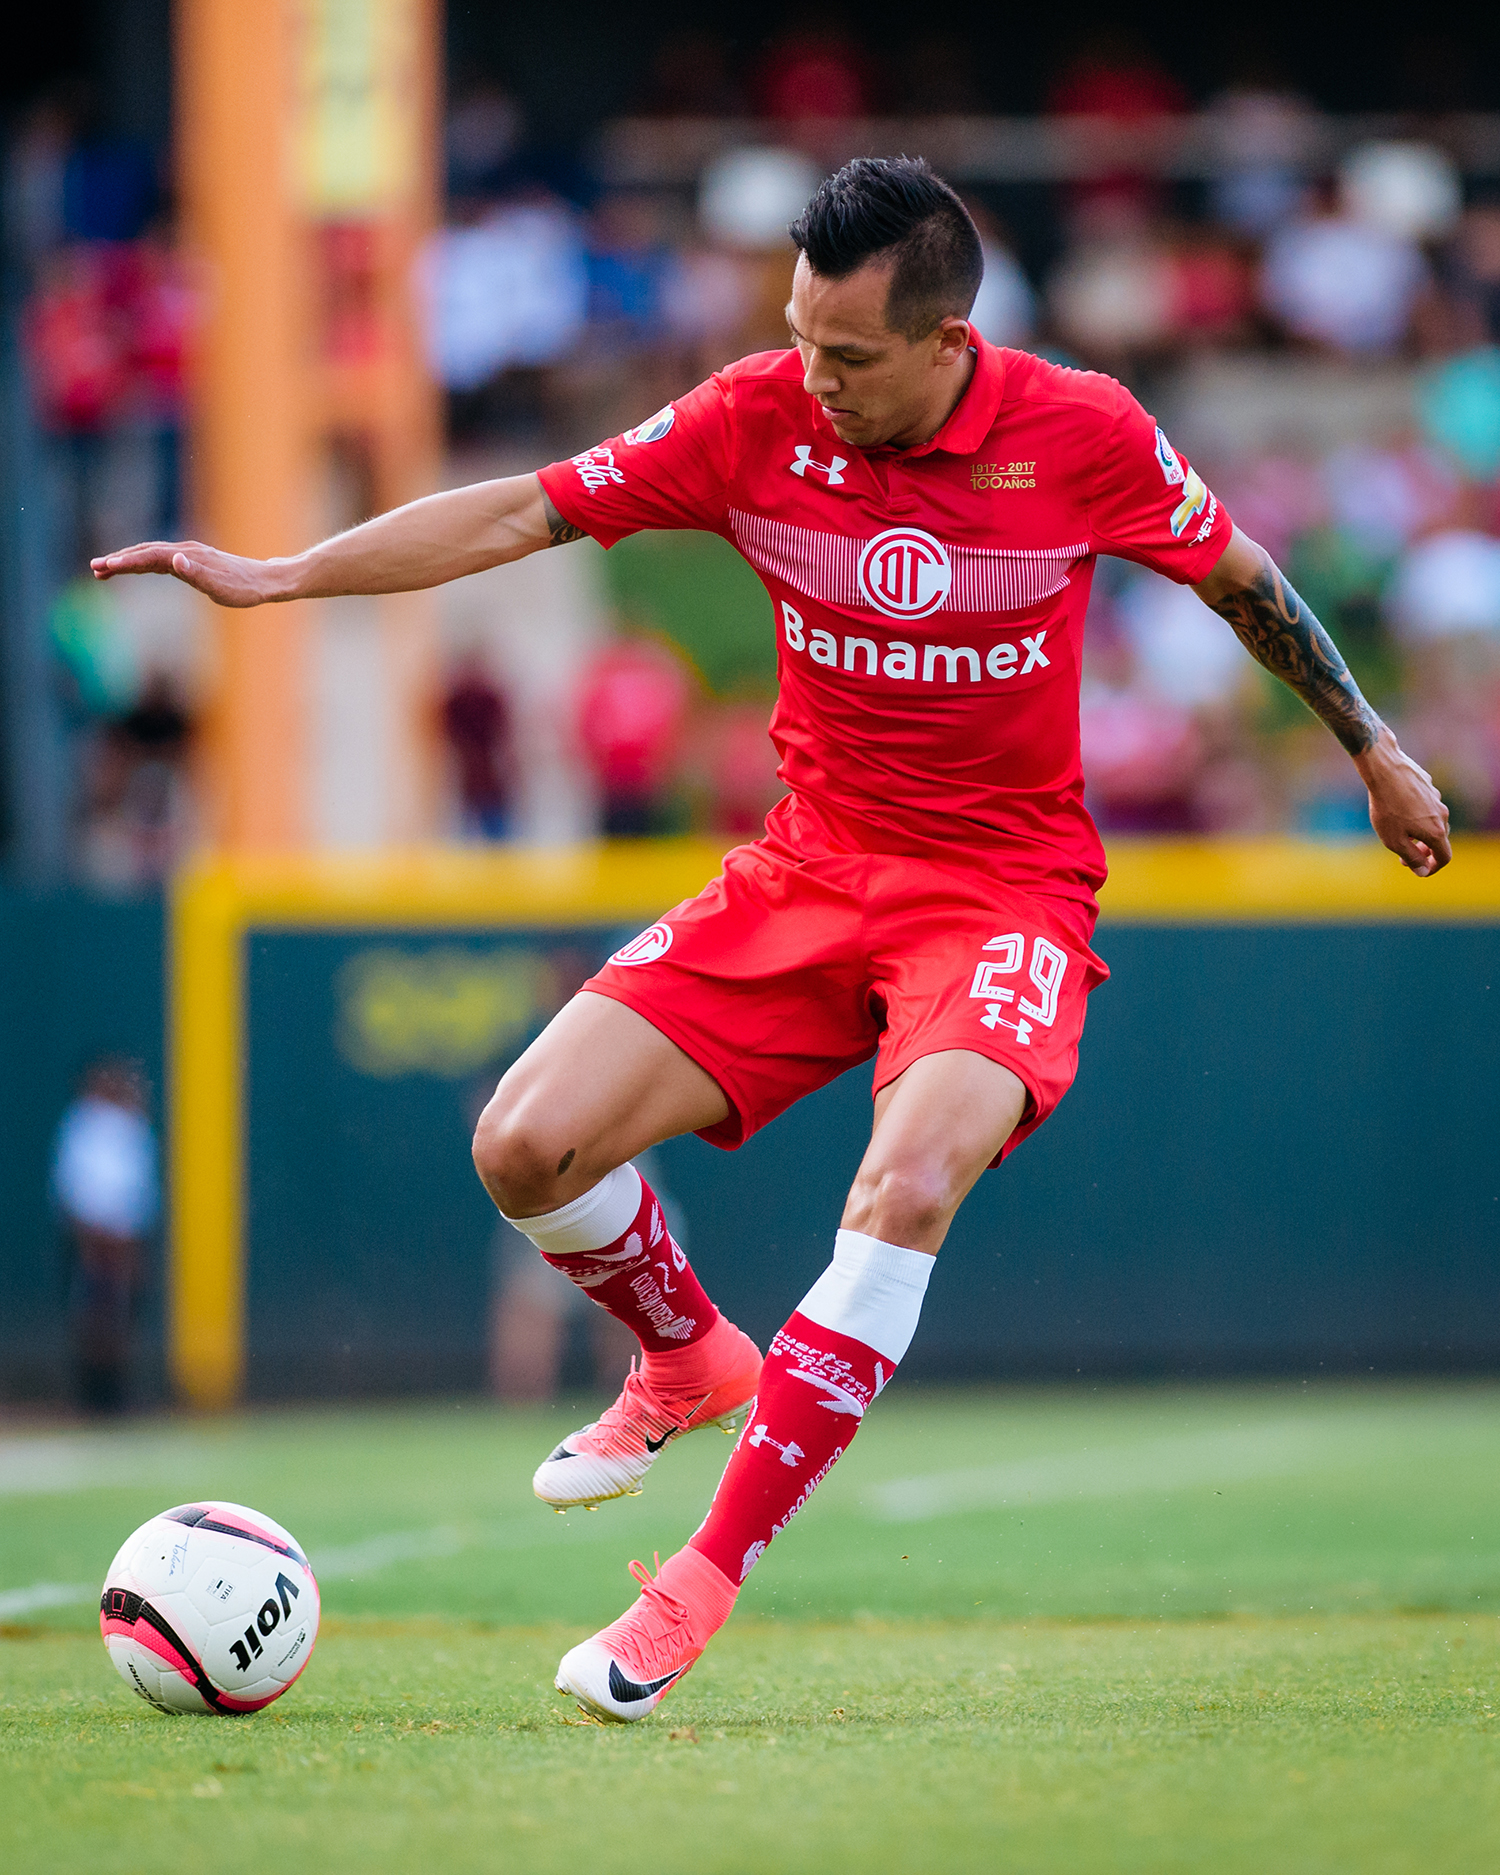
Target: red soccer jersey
929, 602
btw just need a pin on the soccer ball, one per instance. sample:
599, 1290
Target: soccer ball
209, 1608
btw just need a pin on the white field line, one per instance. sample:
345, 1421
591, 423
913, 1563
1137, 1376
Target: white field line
44, 1595
366, 1557
1231, 1455
53, 1464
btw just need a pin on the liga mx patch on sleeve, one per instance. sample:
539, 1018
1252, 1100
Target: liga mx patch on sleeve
654, 428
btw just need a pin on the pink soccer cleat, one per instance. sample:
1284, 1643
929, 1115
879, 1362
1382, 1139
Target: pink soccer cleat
709, 1383
626, 1670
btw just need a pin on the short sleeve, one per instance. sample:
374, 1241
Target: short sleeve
672, 470
1150, 504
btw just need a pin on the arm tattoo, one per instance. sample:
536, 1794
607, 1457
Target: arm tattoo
1279, 630
561, 531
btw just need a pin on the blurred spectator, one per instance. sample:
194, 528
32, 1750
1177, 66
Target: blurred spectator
1446, 586
510, 290
110, 189
1382, 498
105, 1184
632, 711
1341, 282
1184, 654
1115, 78
815, 70
476, 726
1274, 498
630, 258
1459, 405
1005, 310
1113, 297
34, 177
1263, 135
1474, 269
1411, 190
107, 329
137, 808
1212, 288
747, 197
1114, 85
96, 655
706, 294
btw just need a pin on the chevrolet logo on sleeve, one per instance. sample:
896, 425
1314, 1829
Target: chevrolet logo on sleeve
804, 461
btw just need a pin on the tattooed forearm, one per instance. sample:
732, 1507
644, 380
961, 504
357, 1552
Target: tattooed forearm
1279, 630
561, 531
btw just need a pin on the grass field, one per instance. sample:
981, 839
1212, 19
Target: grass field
1107, 1629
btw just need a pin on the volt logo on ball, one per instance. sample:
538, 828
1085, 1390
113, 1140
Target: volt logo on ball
905, 573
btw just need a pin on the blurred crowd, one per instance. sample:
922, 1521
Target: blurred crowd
569, 294
106, 323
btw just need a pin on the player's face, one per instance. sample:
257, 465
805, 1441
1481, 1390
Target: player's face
876, 386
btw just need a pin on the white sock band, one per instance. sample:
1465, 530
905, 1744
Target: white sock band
602, 1214
872, 1292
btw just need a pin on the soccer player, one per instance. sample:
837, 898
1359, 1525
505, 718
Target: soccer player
925, 511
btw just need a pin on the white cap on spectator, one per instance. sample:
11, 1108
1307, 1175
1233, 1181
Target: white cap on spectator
1447, 586
746, 198
1408, 189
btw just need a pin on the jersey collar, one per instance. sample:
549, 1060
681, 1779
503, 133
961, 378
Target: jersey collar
973, 416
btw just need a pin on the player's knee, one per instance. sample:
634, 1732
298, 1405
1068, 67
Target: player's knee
519, 1162
903, 1203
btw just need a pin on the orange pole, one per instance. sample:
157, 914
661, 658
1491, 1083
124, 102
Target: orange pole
252, 447
407, 425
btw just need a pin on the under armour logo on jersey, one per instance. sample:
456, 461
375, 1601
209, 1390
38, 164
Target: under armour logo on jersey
833, 470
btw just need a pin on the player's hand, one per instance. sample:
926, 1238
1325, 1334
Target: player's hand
227, 578
1406, 810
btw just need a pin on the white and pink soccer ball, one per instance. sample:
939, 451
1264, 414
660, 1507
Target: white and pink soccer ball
209, 1608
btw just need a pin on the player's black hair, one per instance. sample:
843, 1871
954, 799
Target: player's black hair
895, 209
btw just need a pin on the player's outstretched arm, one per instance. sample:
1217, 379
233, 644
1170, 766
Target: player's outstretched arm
426, 543
1279, 630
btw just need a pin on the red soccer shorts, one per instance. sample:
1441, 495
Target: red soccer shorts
787, 970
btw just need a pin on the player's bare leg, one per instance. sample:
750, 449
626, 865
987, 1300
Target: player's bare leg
596, 1087
936, 1129
553, 1147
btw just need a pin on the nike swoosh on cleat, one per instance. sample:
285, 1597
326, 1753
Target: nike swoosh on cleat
653, 1446
625, 1690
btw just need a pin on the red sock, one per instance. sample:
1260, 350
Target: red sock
636, 1272
814, 1388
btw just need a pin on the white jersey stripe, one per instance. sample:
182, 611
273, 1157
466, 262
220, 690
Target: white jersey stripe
825, 567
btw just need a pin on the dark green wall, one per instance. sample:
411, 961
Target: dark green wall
1280, 1154
80, 976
